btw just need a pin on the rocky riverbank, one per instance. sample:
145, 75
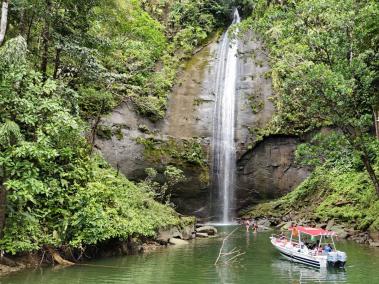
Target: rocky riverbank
175, 235
343, 230
337, 199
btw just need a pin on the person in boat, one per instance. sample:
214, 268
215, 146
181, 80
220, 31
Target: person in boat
295, 231
328, 248
314, 245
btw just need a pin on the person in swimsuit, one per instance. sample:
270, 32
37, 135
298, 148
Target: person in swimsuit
247, 224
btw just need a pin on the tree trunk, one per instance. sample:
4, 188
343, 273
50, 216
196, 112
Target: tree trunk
57, 61
23, 20
371, 172
30, 24
46, 41
4, 20
376, 122
357, 141
57, 258
3, 206
94, 131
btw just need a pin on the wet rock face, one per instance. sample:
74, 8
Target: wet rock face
122, 151
254, 108
192, 196
268, 171
189, 115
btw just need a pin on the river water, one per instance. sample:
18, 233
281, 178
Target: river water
194, 263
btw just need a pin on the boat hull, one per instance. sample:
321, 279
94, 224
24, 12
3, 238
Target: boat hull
295, 255
307, 257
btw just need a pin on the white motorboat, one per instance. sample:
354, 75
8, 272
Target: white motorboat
321, 252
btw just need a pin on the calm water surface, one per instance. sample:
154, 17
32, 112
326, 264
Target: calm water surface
194, 264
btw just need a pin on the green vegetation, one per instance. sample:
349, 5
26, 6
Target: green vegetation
55, 193
324, 59
180, 154
324, 67
255, 102
162, 192
347, 196
64, 65
122, 50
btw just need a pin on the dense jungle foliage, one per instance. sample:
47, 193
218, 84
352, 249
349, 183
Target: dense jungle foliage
64, 64
325, 73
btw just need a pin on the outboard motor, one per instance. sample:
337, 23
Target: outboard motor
332, 257
341, 259
337, 259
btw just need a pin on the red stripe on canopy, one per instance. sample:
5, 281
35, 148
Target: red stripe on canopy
313, 231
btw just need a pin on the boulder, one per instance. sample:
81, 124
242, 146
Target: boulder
330, 224
201, 235
175, 241
322, 225
374, 235
285, 225
340, 232
187, 232
265, 223
361, 238
165, 234
209, 230
374, 244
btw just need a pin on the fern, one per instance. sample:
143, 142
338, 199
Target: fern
10, 133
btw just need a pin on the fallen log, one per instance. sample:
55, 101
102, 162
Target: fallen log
57, 258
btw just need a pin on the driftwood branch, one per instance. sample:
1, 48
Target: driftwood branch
234, 257
234, 251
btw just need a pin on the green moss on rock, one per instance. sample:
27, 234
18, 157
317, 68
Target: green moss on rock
174, 151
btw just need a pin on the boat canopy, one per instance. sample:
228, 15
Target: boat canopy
313, 231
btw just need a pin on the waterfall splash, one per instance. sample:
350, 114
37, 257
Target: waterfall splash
224, 159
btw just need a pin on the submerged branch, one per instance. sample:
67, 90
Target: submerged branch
221, 253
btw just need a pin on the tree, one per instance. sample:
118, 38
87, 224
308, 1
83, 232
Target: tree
3, 20
324, 72
162, 191
53, 191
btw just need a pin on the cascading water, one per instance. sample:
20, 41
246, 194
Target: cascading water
224, 159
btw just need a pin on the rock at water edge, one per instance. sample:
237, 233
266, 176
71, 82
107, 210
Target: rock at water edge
187, 232
176, 241
202, 235
210, 230
165, 235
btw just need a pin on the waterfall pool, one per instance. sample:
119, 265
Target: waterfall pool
194, 263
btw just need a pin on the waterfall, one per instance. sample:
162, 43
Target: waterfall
224, 158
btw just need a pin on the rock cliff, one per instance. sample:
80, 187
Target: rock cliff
266, 171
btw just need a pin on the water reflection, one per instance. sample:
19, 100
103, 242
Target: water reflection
300, 273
